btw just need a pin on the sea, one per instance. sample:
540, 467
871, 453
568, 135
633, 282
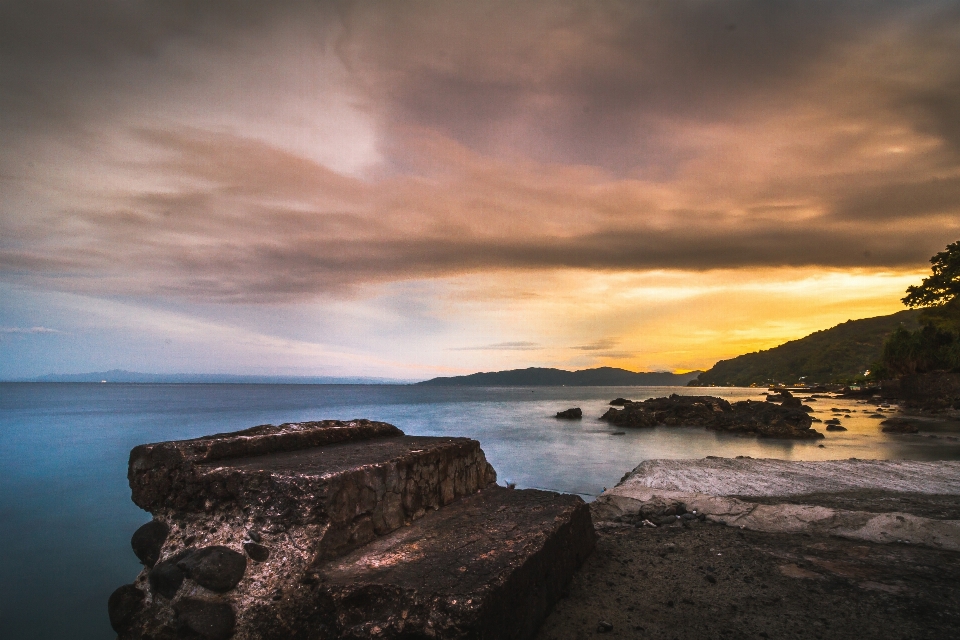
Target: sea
65, 510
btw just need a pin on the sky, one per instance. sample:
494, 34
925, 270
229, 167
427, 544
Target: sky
413, 189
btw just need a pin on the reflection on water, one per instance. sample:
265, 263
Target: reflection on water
66, 506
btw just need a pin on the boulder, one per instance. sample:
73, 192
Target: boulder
570, 414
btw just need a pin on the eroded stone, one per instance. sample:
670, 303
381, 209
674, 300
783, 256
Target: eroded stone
217, 568
165, 578
257, 552
123, 606
148, 540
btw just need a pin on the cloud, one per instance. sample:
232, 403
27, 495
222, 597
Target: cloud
604, 344
278, 152
28, 330
503, 346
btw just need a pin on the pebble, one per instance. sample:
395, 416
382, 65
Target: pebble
166, 577
257, 552
123, 606
217, 568
604, 627
254, 535
148, 540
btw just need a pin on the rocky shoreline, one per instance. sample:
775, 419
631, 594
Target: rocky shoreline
764, 419
328, 530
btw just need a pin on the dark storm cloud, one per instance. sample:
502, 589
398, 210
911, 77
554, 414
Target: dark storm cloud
595, 135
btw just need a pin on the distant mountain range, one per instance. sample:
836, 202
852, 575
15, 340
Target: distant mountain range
838, 354
538, 377
119, 375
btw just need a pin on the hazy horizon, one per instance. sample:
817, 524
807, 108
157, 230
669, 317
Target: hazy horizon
374, 189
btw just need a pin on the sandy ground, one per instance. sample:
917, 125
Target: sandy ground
707, 580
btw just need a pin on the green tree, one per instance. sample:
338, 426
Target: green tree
936, 345
943, 285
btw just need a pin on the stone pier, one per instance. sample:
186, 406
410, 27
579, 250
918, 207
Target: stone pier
323, 530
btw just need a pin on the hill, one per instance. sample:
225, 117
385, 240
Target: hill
538, 377
837, 354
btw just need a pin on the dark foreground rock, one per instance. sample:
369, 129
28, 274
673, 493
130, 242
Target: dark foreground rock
489, 566
327, 530
570, 414
765, 419
695, 580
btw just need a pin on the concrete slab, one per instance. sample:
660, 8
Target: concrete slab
779, 496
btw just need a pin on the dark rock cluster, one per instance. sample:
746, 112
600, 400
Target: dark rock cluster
331, 529
766, 419
899, 425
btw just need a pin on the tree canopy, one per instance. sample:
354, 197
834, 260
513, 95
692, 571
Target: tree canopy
943, 285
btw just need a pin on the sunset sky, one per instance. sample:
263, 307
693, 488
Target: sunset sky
411, 189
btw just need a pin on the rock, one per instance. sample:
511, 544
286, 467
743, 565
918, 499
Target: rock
488, 566
619, 402
791, 402
123, 606
371, 534
619, 433
166, 577
257, 552
571, 414
832, 422
604, 627
403, 477
208, 619
148, 540
898, 425
758, 418
217, 568
835, 427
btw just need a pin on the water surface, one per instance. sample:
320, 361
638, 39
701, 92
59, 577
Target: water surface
65, 504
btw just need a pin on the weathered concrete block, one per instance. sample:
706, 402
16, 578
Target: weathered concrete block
294, 498
487, 566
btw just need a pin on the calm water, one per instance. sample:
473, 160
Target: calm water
65, 505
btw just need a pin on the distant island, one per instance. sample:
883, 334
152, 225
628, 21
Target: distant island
542, 377
840, 354
119, 375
